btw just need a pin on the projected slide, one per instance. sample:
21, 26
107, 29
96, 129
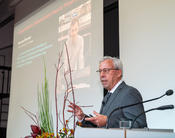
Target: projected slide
73, 29
40, 41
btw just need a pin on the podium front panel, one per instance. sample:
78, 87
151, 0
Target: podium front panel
98, 133
149, 134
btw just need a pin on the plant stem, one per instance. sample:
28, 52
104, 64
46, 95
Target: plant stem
71, 81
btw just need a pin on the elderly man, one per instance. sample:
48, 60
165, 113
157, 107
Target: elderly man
119, 94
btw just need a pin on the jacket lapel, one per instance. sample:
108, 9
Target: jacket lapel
112, 99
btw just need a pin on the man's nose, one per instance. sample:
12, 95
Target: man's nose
102, 74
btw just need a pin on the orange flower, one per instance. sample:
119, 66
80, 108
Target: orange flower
79, 123
51, 134
67, 121
71, 131
65, 130
45, 134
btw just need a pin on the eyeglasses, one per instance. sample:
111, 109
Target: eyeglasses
105, 70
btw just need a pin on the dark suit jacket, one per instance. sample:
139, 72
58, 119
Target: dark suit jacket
123, 95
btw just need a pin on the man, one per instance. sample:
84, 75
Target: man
111, 72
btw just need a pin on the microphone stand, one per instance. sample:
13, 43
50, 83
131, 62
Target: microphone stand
140, 115
159, 108
169, 92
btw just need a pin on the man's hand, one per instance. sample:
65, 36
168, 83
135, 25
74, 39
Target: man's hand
77, 110
99, 120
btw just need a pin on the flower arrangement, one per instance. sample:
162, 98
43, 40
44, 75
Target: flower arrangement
43, 127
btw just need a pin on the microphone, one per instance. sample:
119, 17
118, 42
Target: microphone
165, 107
167, 93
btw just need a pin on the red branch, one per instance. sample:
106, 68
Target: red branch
57, 70
64, 103
32, 116
73, 96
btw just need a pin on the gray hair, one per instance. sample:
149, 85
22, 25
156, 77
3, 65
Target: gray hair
116, 61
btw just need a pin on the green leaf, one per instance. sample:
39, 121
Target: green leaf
45, 115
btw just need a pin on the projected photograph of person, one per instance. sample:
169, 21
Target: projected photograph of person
75, 44
74, 31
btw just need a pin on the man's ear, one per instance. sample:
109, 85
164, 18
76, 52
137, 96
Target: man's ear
119, 74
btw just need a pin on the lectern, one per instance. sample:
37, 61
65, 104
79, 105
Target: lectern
123, 133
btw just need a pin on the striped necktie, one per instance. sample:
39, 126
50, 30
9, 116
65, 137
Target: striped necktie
107, 97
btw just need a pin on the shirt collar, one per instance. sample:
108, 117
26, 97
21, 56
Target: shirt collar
115, 87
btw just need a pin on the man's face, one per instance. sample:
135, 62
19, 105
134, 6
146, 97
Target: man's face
74, 30
108, 75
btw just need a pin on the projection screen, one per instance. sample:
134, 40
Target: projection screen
39, 40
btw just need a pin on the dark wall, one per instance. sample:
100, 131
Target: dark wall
111, 30
25, 7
